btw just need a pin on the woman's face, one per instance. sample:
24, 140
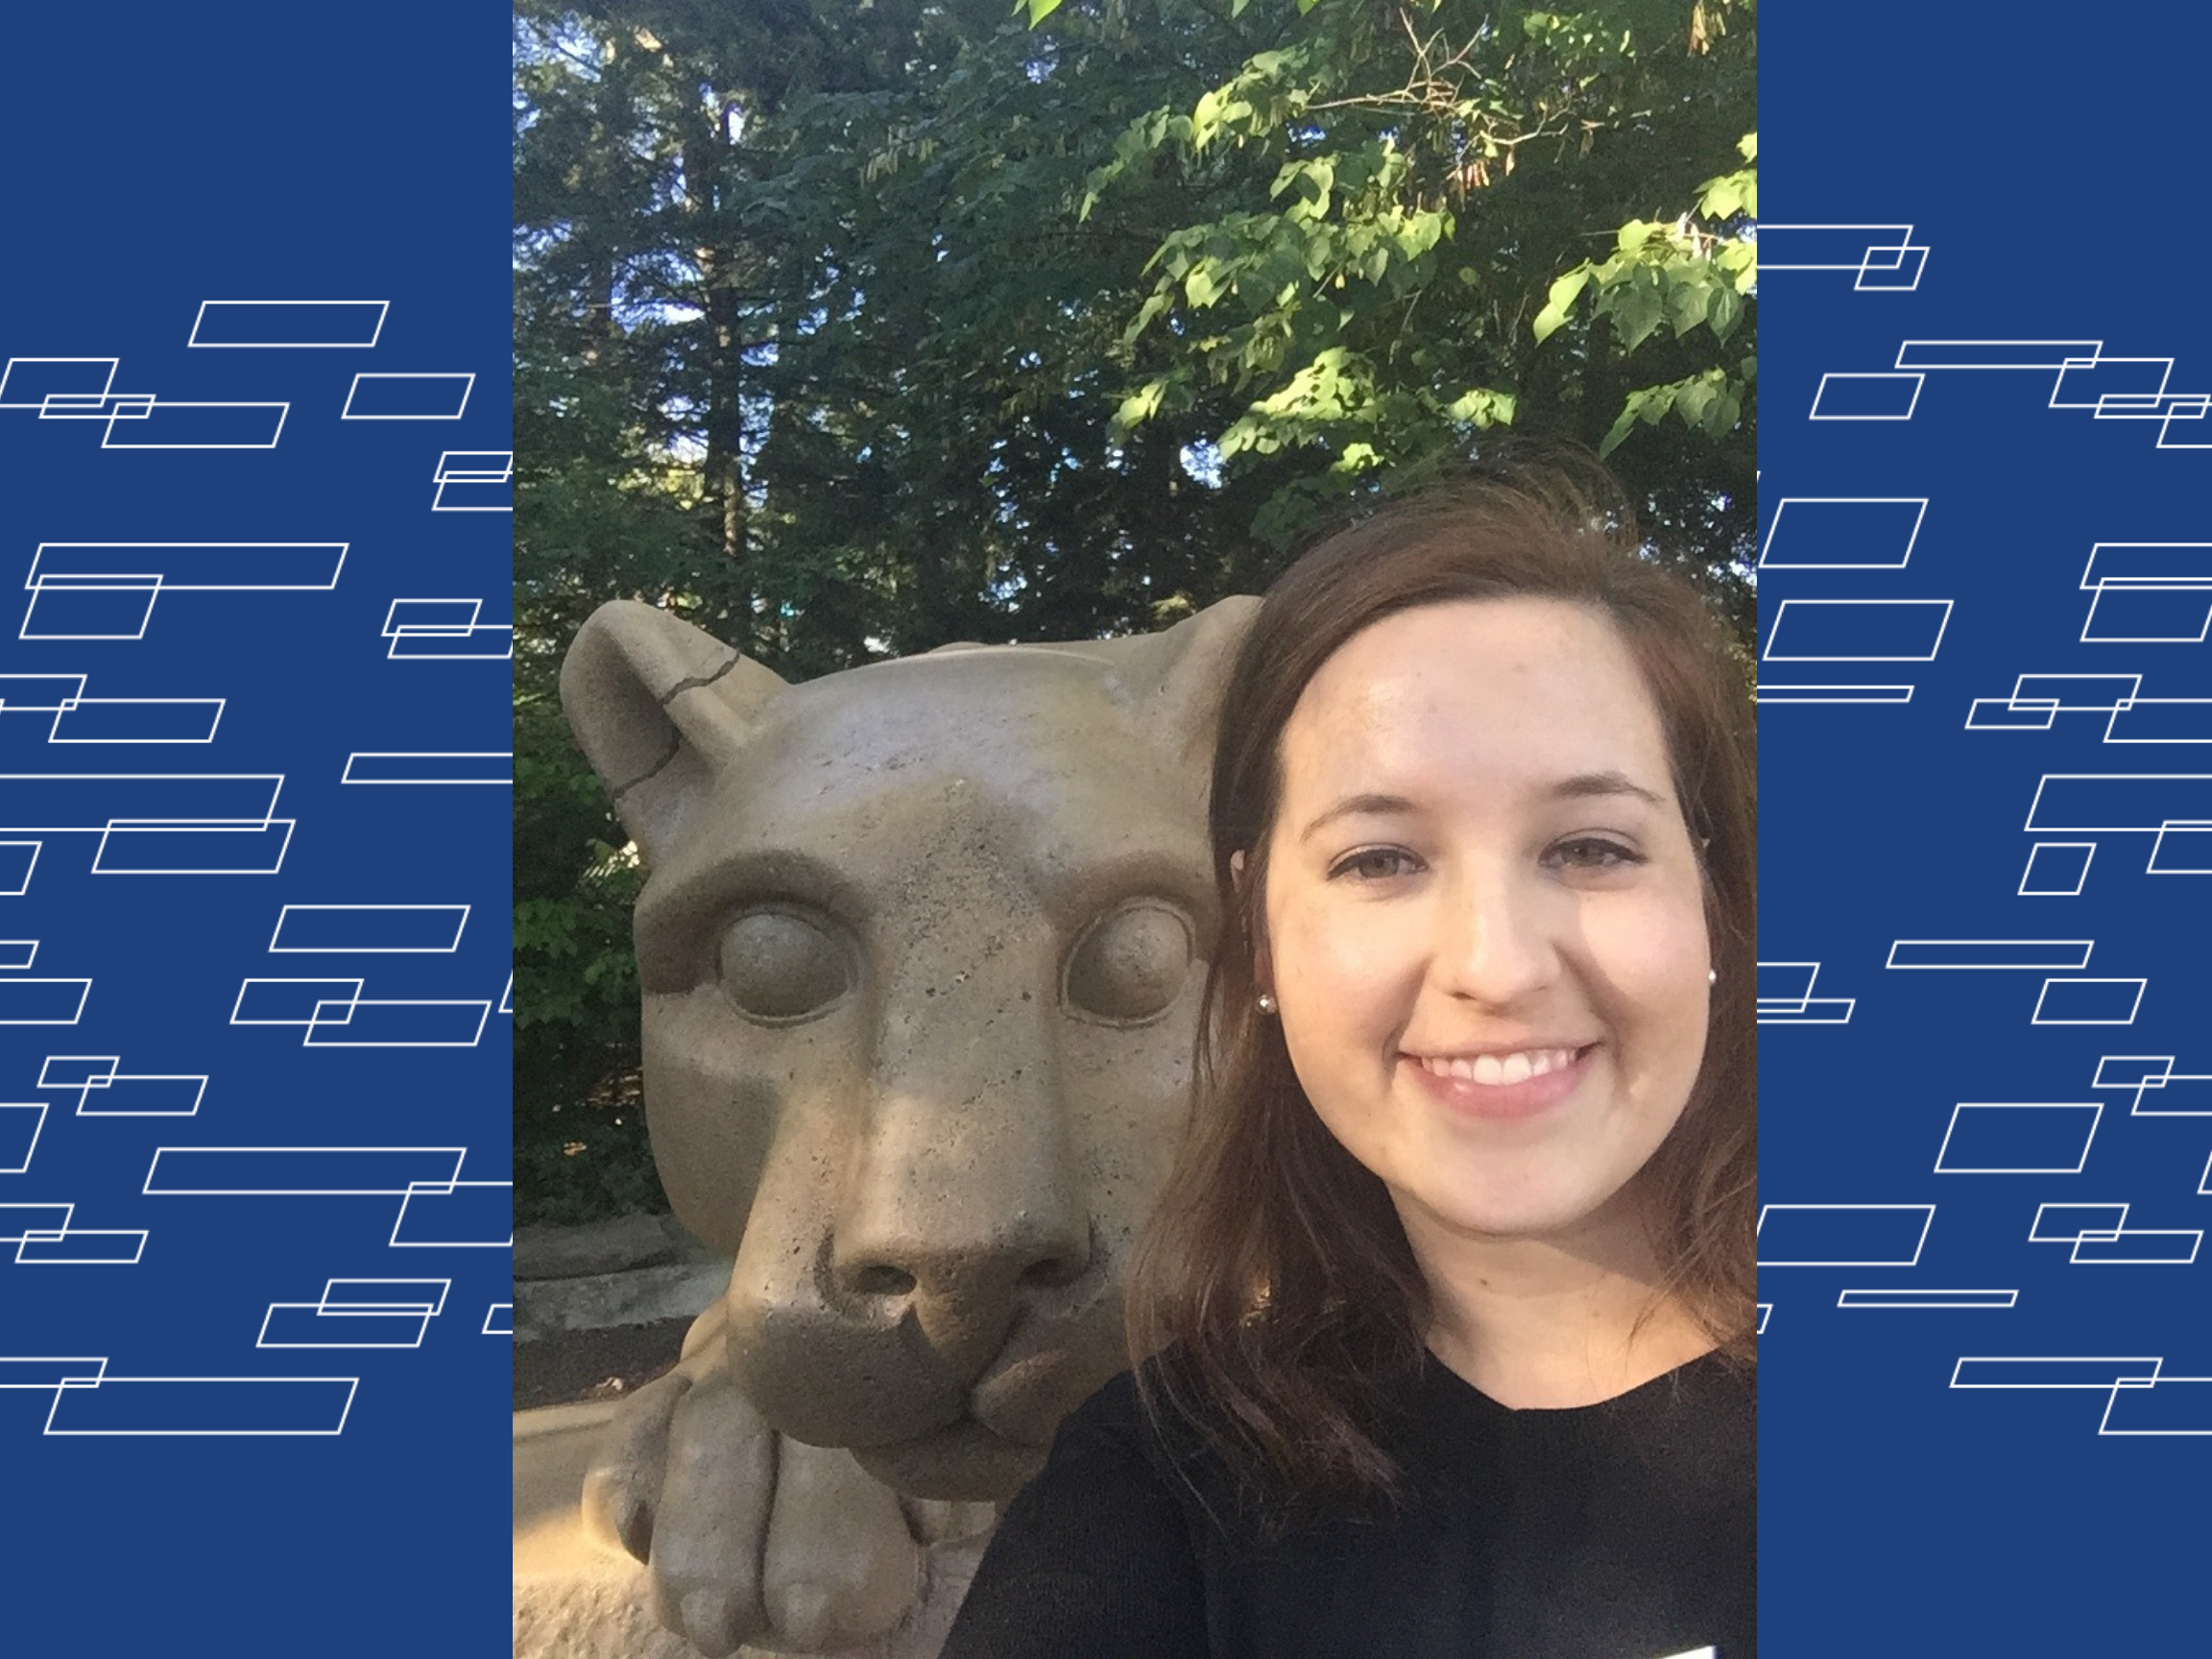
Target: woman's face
1484, 917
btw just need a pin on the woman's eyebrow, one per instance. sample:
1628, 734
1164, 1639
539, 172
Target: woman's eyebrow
1370, 805
1590, 783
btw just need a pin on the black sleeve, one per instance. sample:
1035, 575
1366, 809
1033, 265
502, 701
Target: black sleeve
1093, 1560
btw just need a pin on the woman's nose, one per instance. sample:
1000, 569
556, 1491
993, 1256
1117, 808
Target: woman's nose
1497, 938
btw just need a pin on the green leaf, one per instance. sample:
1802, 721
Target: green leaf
1723, 311
1564, 293
1038, 9
1693, 401
1637, 310
1687, 302
1482, 407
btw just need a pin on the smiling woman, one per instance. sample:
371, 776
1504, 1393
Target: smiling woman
1445, 1323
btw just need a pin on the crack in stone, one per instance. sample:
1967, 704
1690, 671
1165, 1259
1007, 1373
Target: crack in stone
675, 734
675, 748
698, 679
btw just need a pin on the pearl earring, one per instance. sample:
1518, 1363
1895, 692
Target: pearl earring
1711, 976
1265, 1002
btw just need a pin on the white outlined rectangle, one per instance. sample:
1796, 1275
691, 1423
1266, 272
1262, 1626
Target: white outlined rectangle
387, 1022
2019, 1137
1859, 630
1954, 955
310, 325
485, 766
2088, 1001
2068, 1223
369, 929
199, 426
27, 382
2138, 1247
43, 802
1866, 396
2056, 869
304, 1325
20, 1122
18, 861
212, 850
412, 397
2170, 1405
2060, 1371
475, 466
42, 1001
204, 1405
195, 567
2181, 849
299, 1171
1900, 1297
82, 1247
1812, 247
1843, 1235
2105, 803
1825, 527
2050, 354
138, 720
1769, 692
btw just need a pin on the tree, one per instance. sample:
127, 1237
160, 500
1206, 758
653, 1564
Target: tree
849, 328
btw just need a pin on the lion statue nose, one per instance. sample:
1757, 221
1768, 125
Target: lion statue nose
966, 1262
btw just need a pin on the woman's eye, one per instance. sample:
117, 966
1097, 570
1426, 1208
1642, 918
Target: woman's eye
1376, 864
1593, 852
781, 968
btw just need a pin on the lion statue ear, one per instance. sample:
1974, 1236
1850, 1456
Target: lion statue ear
660, 709
1175, 678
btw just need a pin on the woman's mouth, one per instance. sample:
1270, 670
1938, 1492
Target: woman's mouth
1511, 1083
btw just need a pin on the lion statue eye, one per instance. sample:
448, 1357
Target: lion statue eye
780, 967
1129, 963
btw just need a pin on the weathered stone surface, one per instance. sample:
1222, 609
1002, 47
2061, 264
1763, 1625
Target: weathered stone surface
577, 1599
599, 1247
573, 1600
679, 1290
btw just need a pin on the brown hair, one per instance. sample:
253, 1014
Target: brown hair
1275, 1271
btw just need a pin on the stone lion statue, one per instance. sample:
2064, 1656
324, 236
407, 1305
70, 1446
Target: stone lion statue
921, 948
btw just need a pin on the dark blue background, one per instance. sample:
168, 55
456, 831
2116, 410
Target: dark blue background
157, 158
2049, 161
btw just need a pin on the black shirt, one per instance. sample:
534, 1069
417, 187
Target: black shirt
1621, 1531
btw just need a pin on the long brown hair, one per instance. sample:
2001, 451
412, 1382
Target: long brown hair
1275, 1271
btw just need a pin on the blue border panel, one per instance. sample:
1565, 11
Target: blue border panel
210, 1445
1983, 888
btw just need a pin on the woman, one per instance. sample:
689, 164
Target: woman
1448, 1306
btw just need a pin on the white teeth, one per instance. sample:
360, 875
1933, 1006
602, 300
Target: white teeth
1499, 1069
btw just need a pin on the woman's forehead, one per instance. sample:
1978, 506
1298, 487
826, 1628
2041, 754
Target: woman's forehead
1527, 685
